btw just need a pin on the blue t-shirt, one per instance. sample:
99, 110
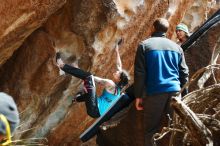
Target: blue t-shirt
106, 100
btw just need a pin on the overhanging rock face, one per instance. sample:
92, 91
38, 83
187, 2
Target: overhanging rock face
19, 19
31, 32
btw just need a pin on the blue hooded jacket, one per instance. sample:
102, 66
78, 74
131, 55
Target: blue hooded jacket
159, 66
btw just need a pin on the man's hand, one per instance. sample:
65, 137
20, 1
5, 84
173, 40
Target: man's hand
139, 104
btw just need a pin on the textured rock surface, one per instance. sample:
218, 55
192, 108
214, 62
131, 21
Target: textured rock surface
199, 12
205, 46
85, 31
19, 19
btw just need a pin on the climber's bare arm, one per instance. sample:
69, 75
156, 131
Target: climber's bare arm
104, 81
118, 59
109, 85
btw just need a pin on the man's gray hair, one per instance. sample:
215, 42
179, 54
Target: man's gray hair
161, 25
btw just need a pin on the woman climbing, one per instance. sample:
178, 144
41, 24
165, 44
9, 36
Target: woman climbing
97, 106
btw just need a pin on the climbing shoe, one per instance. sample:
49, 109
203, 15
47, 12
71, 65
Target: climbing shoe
79, 97
74, 99
58, 56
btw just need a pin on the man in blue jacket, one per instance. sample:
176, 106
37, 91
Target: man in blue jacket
159, 73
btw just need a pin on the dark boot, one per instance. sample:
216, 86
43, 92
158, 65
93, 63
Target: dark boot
75, 97
80, 97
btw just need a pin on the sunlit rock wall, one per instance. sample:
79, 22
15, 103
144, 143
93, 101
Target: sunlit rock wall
84, 31
199, 12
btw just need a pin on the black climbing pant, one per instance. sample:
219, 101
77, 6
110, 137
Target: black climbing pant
90, 96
